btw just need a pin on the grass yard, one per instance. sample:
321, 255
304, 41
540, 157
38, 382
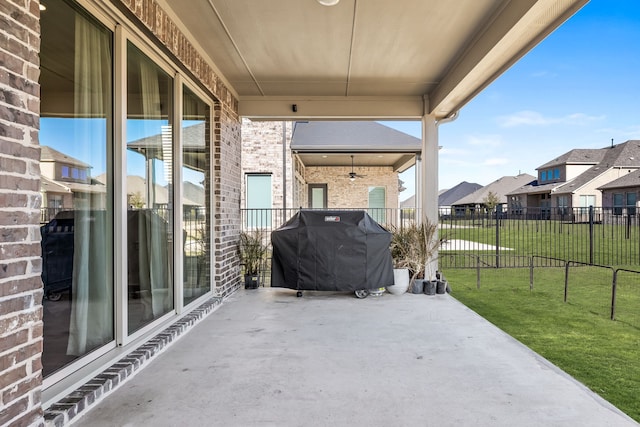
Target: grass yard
577, 336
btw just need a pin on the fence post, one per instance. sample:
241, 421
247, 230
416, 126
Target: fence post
478, 272
566, 280
530, 273
591, 234
498, 207
613, 294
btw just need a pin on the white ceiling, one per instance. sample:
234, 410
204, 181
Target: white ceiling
364, 58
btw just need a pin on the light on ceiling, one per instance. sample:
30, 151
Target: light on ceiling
328, 2
42, 7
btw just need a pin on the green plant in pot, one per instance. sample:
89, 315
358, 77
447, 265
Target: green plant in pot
253, 251
414, 246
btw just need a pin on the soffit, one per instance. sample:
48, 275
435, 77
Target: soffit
363, 58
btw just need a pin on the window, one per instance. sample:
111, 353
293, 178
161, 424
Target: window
556, 173
586, 201
543, 176
377, 204
631, 203
258, 200
563, 204
196, 156
76, 105
318, 196
149, 175
618, 203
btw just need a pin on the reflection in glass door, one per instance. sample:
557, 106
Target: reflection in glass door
77, 192
149, 187
196, 184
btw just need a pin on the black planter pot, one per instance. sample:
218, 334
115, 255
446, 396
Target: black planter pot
430, 287
251, 281
417, 286
441, 287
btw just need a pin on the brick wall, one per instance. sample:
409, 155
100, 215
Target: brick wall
262, 152
227, 187
20, 262
344, 193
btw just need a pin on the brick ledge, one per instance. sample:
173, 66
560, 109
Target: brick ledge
83, 398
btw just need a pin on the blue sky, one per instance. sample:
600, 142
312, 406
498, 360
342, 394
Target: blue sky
579, 88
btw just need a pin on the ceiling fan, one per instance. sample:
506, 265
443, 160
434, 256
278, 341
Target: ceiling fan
352, 174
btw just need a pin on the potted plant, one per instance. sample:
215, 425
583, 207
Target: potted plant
412, 247
253, 251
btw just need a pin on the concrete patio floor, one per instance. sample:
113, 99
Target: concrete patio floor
268, 358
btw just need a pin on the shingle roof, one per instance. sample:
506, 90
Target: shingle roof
631, 179
576, 156
351, 136
456, 193
52, 155
500, 187
626, 154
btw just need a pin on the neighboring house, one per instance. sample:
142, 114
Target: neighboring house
447, 198
621, 196
572, 180
501, 187
66, 182
327, 164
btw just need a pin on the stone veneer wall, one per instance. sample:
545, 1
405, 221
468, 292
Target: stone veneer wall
227, 157
20, 253
343, 193
262, 153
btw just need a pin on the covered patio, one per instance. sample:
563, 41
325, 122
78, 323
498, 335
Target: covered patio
268, 358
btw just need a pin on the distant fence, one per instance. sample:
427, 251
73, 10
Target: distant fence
603, 290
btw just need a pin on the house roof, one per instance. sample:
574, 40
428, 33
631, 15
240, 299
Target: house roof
48, 154
631, 179
457, 192
624, 155
500, 187
348, 136
534, 188
194, 149
575, 157
331, 143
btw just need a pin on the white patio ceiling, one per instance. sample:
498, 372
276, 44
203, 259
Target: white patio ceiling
364, 58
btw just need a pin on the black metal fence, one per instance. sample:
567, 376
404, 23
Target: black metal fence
588, 235
601, 289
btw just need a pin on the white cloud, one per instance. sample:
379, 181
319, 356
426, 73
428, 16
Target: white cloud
485, 140
444, 151
495, 161
534, 118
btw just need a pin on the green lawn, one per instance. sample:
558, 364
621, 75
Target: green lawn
577, 336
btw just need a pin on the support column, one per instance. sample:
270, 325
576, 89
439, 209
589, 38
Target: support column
429, 182
429, 166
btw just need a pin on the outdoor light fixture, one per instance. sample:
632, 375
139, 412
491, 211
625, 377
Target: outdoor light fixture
328, 2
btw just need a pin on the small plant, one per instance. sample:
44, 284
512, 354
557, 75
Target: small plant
413, 246
253, 251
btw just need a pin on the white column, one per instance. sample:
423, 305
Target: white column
429, 182
429, 166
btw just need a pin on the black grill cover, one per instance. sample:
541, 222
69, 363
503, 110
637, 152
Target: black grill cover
331, 251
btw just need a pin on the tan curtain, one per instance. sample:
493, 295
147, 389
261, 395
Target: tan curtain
91, 322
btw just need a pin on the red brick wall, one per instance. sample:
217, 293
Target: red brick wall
20, 262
